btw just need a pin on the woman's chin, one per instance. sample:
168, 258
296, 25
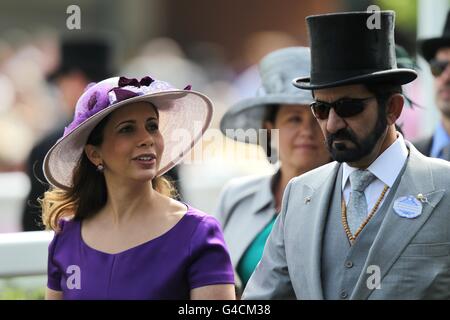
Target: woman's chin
145, 176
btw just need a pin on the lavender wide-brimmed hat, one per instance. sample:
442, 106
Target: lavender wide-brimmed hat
188, 111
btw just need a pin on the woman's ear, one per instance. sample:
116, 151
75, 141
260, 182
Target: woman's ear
394, 108
93, 154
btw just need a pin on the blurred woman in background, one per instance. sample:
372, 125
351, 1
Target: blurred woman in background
249, 206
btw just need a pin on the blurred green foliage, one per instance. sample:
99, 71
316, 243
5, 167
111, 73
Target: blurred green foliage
405, 12
11, 293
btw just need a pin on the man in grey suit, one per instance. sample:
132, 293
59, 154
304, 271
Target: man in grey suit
375, 223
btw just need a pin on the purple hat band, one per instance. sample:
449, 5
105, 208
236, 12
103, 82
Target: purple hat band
99, 96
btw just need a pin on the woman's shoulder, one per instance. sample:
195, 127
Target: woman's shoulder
249, 183
196, 214
65, 233
204, 228
66, 225
243, 187
199, 219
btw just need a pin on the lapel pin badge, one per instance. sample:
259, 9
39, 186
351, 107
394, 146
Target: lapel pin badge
409, 206
422, 198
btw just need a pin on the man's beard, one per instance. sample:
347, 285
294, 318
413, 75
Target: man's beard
341, 153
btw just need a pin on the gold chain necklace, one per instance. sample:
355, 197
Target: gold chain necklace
351, 237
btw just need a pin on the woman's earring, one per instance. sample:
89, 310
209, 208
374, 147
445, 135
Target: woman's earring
100, 168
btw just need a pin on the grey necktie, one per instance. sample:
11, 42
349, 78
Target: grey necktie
357, 205
445, 153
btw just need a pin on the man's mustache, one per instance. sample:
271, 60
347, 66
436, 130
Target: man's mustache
342, 134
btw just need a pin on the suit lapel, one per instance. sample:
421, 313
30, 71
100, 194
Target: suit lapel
320, 194
397, 232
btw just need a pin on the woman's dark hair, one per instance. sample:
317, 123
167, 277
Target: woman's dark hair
89, 193
270, 115
89, 186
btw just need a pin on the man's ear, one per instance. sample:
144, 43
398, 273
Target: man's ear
394, 108
93, 154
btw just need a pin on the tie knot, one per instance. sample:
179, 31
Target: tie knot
360, 179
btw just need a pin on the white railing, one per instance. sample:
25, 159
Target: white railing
14, 188
24, 253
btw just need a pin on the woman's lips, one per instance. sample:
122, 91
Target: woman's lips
146, 164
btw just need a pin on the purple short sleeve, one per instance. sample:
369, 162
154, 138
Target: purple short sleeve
53, 272
210, 261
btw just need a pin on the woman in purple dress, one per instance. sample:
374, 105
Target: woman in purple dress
118, 233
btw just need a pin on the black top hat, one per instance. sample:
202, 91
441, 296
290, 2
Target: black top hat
428, 47
90, 56
344, 51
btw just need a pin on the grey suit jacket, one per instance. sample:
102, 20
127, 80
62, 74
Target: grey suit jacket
245, 207
413, 254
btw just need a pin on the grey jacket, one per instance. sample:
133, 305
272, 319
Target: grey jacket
413, 254
245, 207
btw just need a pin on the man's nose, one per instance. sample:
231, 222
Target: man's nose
334, 122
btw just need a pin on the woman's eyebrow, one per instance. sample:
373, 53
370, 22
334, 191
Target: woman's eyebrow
126, 121
134, 121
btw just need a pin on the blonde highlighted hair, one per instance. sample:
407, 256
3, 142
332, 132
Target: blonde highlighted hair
60, 204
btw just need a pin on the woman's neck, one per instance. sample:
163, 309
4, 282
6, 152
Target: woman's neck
126, 201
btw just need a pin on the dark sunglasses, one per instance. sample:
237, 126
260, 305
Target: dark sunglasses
438, 66
344, 108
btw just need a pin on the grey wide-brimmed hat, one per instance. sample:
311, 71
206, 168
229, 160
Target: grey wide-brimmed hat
277, 69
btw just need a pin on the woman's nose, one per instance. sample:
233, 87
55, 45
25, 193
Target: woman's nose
310, 127
145, 139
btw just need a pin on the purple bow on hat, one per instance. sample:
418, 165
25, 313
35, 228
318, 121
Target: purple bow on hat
120, 94
134, 88
104, 96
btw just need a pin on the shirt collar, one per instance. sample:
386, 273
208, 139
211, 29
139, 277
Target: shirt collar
387, 166
440, 139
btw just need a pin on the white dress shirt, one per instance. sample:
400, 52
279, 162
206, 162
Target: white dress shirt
386, 169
